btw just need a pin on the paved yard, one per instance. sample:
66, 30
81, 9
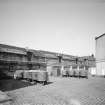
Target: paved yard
63, 91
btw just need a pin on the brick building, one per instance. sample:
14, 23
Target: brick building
15, 58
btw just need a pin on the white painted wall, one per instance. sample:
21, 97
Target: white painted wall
100, 48
100, 68
92, 70
100, 55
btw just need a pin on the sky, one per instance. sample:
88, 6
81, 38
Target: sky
63, 26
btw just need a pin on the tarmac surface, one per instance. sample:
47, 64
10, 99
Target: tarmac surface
62, 91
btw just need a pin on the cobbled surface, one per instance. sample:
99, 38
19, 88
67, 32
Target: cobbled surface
63, 91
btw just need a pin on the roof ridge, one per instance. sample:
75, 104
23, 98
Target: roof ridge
99, 36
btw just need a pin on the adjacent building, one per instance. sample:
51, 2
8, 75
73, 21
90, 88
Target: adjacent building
100, 55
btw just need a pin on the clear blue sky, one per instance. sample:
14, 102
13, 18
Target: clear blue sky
66, 26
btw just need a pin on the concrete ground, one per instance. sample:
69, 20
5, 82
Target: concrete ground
62, 91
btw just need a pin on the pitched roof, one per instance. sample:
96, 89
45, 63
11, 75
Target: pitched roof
18, 50
49, 54
69, 57
55, 55
12, 49
91, 58
99, 36
37, 53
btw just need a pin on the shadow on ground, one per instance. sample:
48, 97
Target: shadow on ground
11, 84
